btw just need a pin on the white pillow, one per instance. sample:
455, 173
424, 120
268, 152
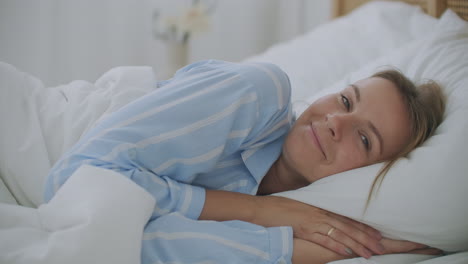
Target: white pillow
39, 124
423, 197
324, 55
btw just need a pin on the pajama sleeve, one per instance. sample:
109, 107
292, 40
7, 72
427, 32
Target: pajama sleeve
165, 139
174, 238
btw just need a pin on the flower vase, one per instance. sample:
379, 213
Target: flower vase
176, 54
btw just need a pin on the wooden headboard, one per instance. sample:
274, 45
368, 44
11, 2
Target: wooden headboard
432, 7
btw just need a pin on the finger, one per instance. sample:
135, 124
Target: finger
363, 227
347, 242
331, 244
335, 240
359, 236
400, 246
427, 251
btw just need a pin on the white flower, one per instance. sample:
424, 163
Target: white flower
194, 19
179, 28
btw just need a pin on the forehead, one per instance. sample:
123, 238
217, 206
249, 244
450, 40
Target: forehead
382, 104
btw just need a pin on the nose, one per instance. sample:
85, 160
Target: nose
336, 124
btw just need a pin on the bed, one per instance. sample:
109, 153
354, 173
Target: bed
422, 198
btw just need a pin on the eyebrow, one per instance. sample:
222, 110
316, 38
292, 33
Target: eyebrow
357, 94
377, 133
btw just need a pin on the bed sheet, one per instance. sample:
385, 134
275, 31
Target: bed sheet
458, 258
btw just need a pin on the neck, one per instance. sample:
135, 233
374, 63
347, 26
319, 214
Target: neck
280, 178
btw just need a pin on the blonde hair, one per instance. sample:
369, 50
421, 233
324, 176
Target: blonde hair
425, 105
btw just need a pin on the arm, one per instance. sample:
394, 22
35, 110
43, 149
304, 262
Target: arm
308, 222
174, 238
306, 252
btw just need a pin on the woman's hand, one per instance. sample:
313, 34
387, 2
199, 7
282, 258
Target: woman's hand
337, 233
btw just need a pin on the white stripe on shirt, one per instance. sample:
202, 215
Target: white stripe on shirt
267, 133
285, 237
178, 262
246, 155
217, 239
187, 201
234, 185
239, 133
194, 160
275, 81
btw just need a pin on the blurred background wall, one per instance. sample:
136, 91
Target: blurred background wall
64, 40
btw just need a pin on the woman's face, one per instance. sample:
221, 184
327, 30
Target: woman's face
365, 123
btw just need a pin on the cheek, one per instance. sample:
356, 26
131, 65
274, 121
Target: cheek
349, 157
294, 145
321, 106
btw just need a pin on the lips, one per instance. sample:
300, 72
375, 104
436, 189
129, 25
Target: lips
316, 139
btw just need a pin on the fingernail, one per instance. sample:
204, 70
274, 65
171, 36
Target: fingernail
367, 253
349, 251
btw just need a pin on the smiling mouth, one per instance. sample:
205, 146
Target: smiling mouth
317, 140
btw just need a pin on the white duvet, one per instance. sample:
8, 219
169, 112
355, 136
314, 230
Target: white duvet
86, 222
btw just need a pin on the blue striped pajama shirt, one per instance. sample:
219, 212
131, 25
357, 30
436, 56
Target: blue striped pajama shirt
214, 125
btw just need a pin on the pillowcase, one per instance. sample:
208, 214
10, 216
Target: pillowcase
423, 197
324, 55
39, 124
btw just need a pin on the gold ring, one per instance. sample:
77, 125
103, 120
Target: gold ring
330, 231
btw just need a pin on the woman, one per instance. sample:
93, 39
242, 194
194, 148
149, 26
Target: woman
219, 131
